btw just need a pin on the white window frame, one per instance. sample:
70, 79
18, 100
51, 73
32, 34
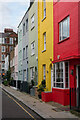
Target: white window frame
27, 51
44, 35
2, 58
3, 48
11, 40
61, 29
27, 24
23, 29
24, 73
2, 65
3, 40
44, 8
32, 73
32, 48
44, 72
10, 48
64, 80
24, 53
32, 21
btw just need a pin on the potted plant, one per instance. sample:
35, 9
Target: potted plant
41, 88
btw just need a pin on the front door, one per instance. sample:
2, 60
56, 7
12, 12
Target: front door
78, 86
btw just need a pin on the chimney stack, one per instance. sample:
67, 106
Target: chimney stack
8, 30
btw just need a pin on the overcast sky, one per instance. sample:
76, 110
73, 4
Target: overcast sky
11, 13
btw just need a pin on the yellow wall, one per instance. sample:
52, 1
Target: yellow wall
44, 58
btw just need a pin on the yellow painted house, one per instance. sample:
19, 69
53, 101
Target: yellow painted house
45, 43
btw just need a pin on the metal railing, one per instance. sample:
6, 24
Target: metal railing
75, 99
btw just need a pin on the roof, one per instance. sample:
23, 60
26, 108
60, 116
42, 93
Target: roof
31, 3
2, 35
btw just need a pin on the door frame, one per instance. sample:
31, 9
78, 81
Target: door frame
77, 85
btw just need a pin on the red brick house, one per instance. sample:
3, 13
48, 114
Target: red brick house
8, 39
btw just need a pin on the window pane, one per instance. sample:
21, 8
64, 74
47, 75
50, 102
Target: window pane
44, 41
26, 24
44, 72
32, 21
44, 5
54, 72
24, 29
60, 85
66, 75
64, 29
60, 31
32, 48
68, 21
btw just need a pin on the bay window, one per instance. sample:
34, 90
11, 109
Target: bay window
61, 75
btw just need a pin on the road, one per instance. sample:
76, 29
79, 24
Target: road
12, 109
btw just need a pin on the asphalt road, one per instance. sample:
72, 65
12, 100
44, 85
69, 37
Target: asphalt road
12, 109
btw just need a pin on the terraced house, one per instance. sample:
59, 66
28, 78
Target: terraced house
25, 45
28, 48
33, 43
20, 78
45, 43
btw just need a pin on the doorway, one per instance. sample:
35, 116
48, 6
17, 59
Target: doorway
78, 86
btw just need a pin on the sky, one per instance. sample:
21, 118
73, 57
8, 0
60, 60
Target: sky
11, 13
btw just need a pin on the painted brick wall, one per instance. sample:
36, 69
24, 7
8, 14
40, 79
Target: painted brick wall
79, 28
68, 47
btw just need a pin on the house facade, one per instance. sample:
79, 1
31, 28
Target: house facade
33, 44
7, 42
16, 64
66, 54
25, 47
66, 63
45, 43
20, 56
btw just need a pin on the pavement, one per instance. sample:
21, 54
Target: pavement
41, 108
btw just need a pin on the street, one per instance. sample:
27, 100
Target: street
14, 109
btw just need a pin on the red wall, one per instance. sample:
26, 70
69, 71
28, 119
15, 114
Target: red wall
79, 28
46, 97
61, 96
68, 47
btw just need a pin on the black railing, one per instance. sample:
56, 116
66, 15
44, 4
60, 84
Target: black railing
75, 99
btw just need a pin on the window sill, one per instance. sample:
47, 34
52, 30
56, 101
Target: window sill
32, 55
32, 28
60, 88
43, 51
43, 19
63, 40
